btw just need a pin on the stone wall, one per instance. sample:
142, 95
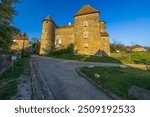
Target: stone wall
106, 46
48, 37
104, 38
19, 44
87, 34
64, 36
5, 62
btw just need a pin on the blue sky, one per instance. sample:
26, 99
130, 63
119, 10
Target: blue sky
128, 21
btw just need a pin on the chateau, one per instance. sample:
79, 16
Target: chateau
87, 34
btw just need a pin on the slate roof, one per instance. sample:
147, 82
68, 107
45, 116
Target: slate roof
86, 9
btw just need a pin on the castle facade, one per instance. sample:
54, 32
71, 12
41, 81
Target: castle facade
87, 34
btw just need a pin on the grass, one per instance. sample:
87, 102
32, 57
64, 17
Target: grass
84, 58
125, 58
9, 79
118, 80
133, 58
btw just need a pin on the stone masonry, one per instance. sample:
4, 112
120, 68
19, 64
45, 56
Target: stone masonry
87, 34
20, 41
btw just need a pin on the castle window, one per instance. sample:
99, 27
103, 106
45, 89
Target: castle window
58, 42
75, 47
46, 42
85, 35
85, 24
86, 45
57, 33
45, 32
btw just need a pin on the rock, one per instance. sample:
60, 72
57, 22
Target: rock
91, 66
97, 76
123, 66
138, 93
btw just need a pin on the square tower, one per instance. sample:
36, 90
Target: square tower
87, 31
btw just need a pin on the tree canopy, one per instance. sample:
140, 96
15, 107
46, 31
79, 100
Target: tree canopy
7, 30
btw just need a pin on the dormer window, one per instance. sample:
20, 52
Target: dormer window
85, 24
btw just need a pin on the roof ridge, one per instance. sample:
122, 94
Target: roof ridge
86, 9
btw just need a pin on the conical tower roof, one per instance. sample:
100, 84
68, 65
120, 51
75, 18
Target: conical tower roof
86, 9
48, 18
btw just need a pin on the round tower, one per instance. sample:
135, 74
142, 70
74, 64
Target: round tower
48, 36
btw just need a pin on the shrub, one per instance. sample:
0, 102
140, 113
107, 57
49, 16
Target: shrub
67, 50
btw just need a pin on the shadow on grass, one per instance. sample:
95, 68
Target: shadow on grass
119, 80
142, 61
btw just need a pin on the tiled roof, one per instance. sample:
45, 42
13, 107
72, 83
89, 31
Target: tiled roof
136, 46
86, 9
20, 36
104, 34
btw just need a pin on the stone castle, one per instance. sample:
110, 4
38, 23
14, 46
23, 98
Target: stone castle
87, 34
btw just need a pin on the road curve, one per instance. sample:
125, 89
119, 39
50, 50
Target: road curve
64, 82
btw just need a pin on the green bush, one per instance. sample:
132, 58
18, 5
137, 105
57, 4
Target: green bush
62, 51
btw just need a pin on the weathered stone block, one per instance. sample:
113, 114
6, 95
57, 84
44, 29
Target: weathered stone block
97, 76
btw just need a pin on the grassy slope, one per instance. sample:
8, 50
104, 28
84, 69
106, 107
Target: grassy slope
70, 56
9, 79
119, 80
135, 58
